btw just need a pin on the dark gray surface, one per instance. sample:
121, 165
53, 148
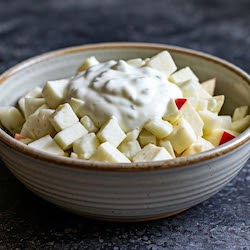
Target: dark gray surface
28, 28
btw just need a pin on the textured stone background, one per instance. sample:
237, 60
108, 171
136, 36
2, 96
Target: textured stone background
28, 28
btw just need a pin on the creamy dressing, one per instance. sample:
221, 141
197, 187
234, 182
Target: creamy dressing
132, 94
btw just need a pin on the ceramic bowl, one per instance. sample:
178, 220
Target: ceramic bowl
125, 192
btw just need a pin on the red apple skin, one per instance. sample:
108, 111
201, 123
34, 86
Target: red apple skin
19, 137
180, 102
226, 137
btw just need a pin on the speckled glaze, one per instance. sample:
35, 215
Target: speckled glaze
125, 192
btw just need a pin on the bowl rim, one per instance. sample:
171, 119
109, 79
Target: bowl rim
9, 141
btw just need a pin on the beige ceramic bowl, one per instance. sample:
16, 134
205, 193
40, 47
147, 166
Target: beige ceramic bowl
125, 192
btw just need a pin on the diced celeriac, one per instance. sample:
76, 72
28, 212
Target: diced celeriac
182, 136
89, 62
152, 153
68, 136
137, 62
108, 153
168, 146
241, 124
85, 146
31, 104
111, 132
146, 137
159, 128
11, 119
240, 113
48, 145
89, 124
199, 146
215, 103
130, 148
63, 117
163, 62
38, 125
211, 121
209, 86
132, 135
55, 92
77, 105
183, 75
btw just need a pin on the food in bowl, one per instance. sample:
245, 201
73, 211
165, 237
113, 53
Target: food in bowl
125, 111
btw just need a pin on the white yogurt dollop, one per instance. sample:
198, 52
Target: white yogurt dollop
132, 94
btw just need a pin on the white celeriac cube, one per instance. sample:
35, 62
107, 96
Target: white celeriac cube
183, 75
137, 62
85, 146
38, 125
89, 124
241, 124
111, 132
209, 86
163, 62
132, 135
129, 148
31, 105
159, 128
182, 136
106, 152
172, 112
89, 62
77, 105
68, 136
199, 146
11, 119
168, 146
48, 145
211, 121
63, 117
55, 92
152, 153
146, 137
240, 113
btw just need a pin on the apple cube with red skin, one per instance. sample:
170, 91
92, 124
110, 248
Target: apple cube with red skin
220, 136
22, 138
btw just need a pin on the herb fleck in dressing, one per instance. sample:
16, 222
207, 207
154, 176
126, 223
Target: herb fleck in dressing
132, 94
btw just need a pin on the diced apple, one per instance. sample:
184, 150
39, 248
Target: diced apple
182, 136
240, 113
89, 62
152, 153
183, 75
63, 117
159, 128
55, 92
190, 115
168, 146
163, 62
77, 106
146, 137
172, 111
32, 104
73, 155
226, 121
211, 121
85, 146
199, 146
108, 153
209, 86
201, 104
190, 88
22, 139
38, 125
69, 135
215, 103
11, 119
89, 124
48, 145
129, 148
241, 124
111, 132
220, 136
137, 62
